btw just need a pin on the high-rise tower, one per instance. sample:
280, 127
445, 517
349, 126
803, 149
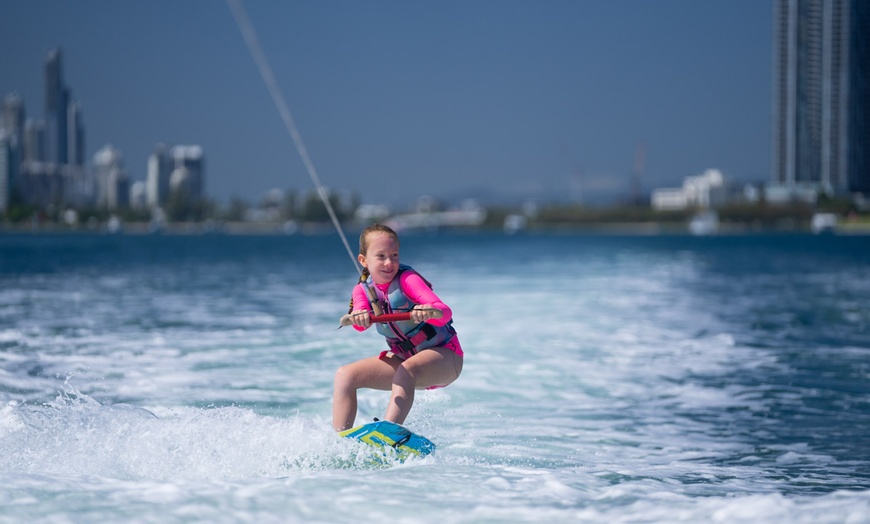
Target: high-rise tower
157, 181
859, 113
56, 101
820, 122
75, 145
8, 169
11, 141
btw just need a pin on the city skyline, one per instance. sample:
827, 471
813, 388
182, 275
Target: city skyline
514, 100
42, 160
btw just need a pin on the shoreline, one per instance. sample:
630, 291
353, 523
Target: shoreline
283, 229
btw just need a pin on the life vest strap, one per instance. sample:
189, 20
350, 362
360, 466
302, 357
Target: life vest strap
408, 345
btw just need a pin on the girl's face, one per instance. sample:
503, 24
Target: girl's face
381, 257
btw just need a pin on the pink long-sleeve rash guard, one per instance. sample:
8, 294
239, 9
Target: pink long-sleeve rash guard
416, 289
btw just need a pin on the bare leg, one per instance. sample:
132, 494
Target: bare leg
372, 373
431, 367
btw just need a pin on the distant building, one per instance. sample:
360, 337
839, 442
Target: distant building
821, 106
704, 191
138, 199
42, 184
75, 135
12, 118
56, 101
34, 141
786, 193
8, 169
113, 183
160, 167
188, 175
11, 139
79, 187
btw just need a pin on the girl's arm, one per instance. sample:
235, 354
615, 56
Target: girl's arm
360, 302
420, 292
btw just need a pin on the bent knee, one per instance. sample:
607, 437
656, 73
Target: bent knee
344, 378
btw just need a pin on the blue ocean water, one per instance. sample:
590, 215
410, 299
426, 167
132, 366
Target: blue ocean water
607, 379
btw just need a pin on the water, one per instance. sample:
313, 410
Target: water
607, 379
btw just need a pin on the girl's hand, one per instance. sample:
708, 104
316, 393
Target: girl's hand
423, 312
361, 318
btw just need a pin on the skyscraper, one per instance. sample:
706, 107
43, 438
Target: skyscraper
75, 135
859, 114
11, 142
56, 101
8, 168
820, 120
157, 181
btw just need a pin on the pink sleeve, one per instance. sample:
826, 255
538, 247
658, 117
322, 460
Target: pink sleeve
360, 301
418, 291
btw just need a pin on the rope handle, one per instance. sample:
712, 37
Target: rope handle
347, 320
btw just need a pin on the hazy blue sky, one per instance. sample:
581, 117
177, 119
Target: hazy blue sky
394, 99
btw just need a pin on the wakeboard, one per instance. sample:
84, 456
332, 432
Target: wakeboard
389, 435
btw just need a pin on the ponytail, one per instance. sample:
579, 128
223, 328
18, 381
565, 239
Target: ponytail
364, 276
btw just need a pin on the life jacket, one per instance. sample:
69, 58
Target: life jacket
404, 337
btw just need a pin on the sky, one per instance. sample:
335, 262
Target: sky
500, 100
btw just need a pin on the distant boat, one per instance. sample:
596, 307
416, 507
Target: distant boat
514, 223
824, 223
704, 223
290, 227
114, 225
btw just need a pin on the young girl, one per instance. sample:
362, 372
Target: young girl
424, 352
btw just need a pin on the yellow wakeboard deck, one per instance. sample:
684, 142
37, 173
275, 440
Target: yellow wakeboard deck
389, 435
